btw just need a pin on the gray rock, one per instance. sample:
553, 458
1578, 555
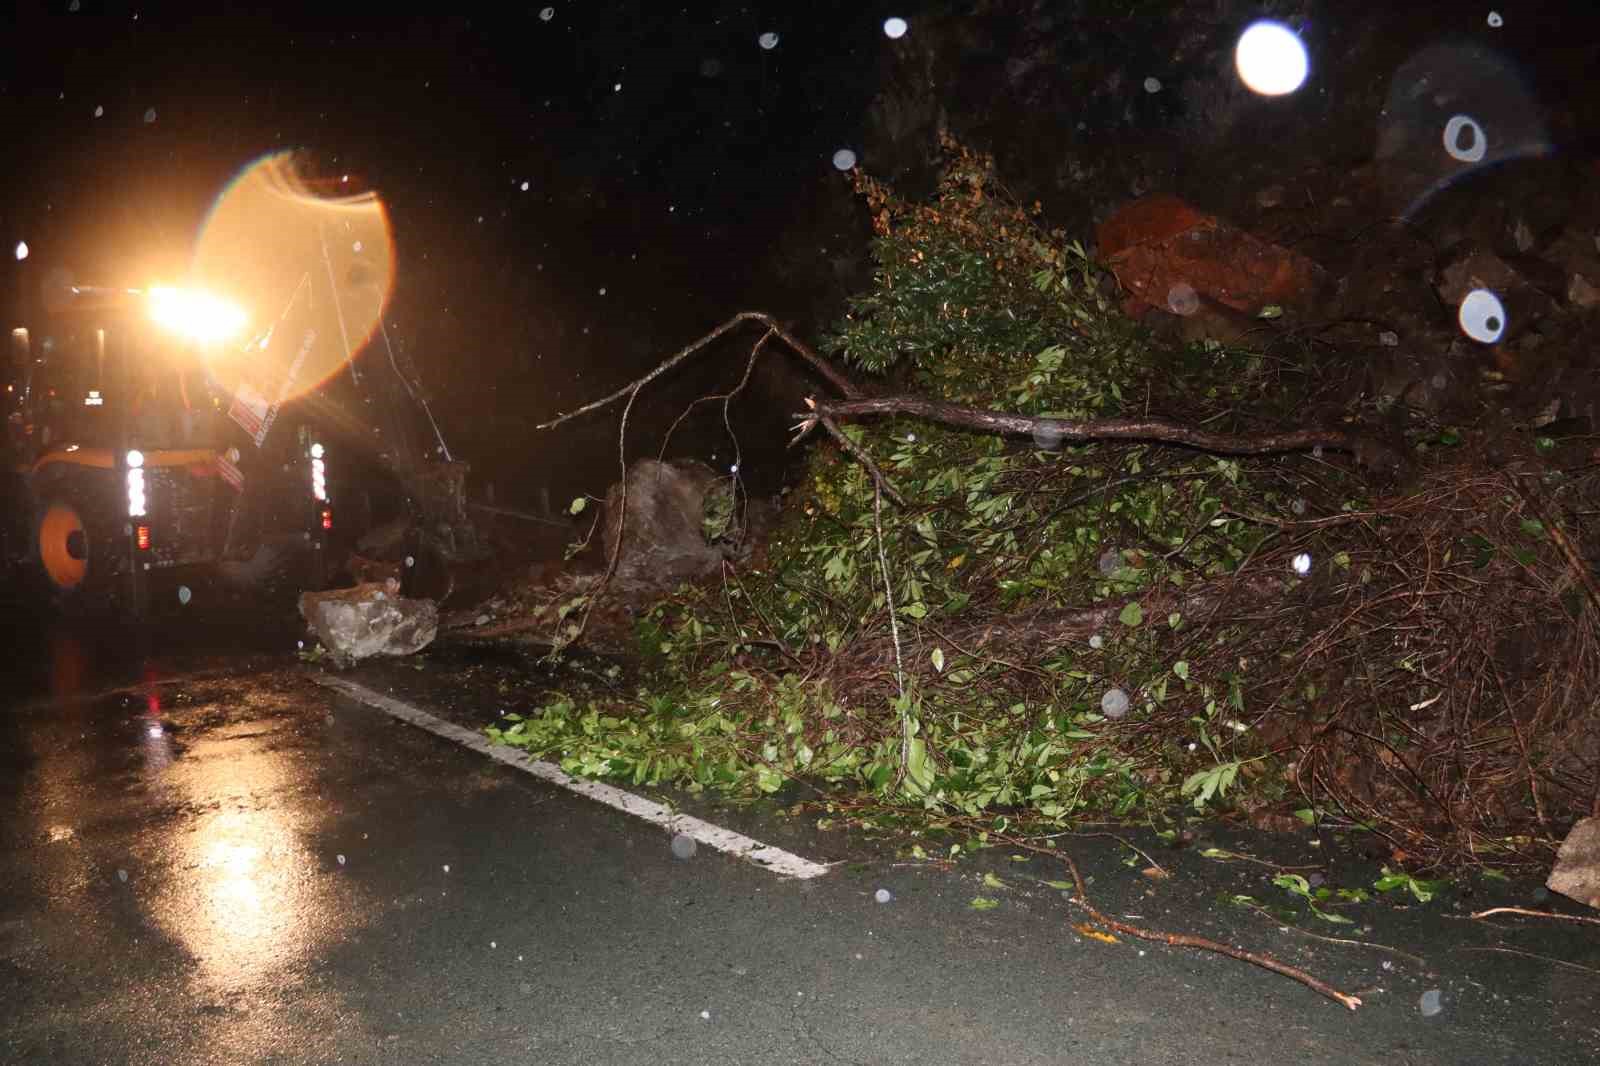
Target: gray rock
1576, 874
371, 619
663, 527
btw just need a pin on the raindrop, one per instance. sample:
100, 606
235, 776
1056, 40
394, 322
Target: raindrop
1114, 704
99, 111
1495, 21
74, 6
493, 945
122, 875
883, 895
22, 250
1047, 437
1389, 339
710, 68
844, 159
684, 846
1152, 85
602, 290
768, 41
1431, 1003
1482, 316
1182, 299
1302, 564
1097, 642
184, 595
1270, 59
149, 115
617, 88
894, 28
446, 867
411, 560
341, 860
1298, 506
1110, 560
705, 1015
356, 247
1465, 140
524, 186
546, 14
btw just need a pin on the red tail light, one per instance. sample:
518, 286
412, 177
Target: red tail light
142, 538
327, 518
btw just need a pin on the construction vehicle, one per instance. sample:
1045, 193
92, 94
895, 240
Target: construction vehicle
143, 470
127, 469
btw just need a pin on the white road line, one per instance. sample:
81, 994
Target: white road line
780, 862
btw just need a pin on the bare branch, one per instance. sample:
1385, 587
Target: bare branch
1370, 452
803, 350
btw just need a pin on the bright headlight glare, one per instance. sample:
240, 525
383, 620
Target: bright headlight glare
136, 499
135, 459
316, 451
199, 316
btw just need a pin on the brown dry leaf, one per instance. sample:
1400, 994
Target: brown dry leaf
1094, 934
1155, 873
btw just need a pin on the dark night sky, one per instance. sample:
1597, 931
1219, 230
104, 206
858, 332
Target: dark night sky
124, 121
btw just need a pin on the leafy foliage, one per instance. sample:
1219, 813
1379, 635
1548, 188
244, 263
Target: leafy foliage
780, 675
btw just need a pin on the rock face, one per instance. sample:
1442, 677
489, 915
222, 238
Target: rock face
1577, 870
664, 527
371, 619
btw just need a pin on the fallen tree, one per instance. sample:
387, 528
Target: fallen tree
1110, 576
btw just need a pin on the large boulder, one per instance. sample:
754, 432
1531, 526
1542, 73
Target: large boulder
370, 619
668, 528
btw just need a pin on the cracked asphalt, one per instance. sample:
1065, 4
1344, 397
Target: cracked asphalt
205, 857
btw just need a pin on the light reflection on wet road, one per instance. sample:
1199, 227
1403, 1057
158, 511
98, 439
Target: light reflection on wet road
206, 858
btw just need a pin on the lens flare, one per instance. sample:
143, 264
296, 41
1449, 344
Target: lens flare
1452, 110
312, 264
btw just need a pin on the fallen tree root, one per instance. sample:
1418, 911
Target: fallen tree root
1266, 962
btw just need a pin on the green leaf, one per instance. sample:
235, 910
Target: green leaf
938, 659
983, 903
991, 881
919, 771
578, 505
1132, 615
1181, 668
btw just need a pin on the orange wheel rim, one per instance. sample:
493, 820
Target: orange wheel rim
59, 523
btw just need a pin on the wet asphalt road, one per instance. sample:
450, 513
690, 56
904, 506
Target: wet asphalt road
207, 858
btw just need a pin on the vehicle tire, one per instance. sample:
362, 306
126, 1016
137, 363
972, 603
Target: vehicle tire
63, 569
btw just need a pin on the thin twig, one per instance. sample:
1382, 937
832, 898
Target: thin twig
878, 476
1532, 955
1266, 962
1535, 914
820, 365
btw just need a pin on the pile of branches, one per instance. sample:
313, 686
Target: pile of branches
1440, 684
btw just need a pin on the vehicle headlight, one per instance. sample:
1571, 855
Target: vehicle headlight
135, 459
136, 500
319, 475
